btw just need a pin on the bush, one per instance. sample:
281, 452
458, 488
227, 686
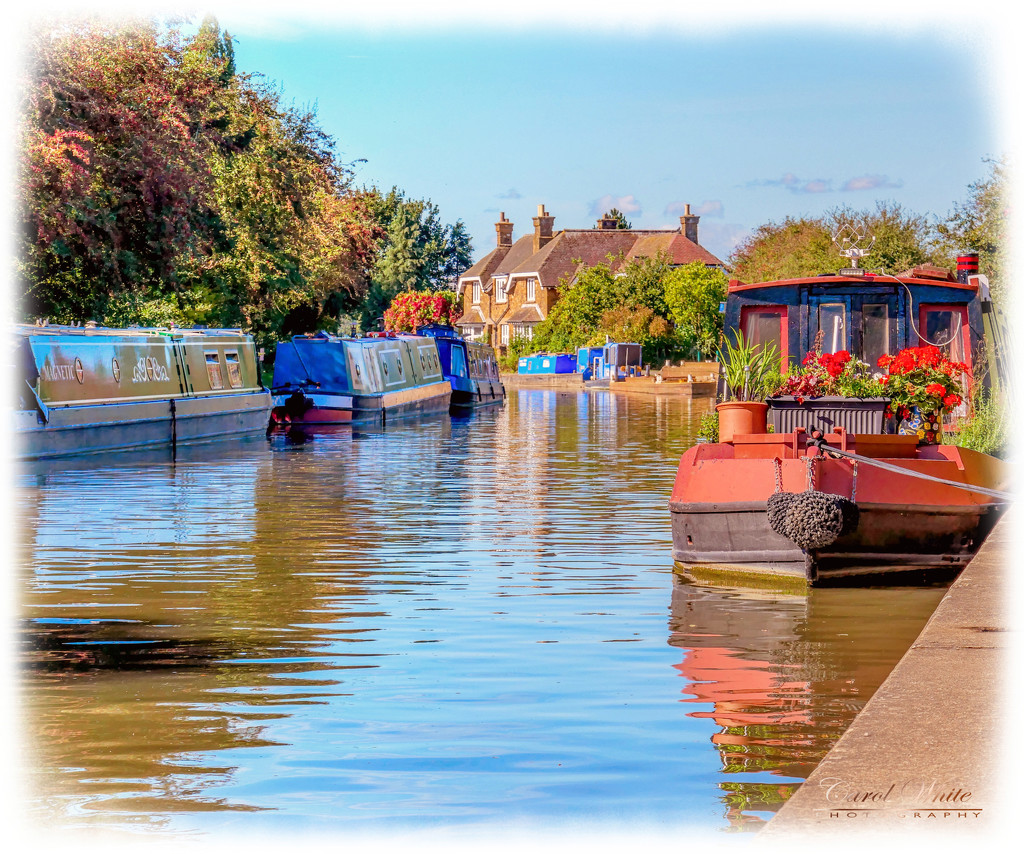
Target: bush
987, 428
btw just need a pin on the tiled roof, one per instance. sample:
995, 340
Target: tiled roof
559, 257
526, 314
519, 252
473, 316
676, 246
482, 269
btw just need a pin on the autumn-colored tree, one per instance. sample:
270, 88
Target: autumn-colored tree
159, 184
412, 309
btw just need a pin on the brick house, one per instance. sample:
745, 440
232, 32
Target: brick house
513, 287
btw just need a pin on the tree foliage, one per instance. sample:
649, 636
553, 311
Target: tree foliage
802, 247
158, 184
980, 224
412, 309
694, 293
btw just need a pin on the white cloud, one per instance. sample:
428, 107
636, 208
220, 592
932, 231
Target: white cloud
626, 204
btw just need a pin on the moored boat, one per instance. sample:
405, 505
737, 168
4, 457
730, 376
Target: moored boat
897, 507
96, 389
470, 366
323, 379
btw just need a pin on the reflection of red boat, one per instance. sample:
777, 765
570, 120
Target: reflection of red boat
906, 523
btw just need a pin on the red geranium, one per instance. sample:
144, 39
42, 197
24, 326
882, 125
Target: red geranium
923, 377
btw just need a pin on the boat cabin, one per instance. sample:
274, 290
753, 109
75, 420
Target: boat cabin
867, 314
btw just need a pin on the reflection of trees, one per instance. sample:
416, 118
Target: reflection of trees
782, 676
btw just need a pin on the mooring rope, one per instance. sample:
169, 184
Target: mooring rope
994, 493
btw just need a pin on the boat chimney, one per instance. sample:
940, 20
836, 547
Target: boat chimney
688, 224
504, 229
966, 266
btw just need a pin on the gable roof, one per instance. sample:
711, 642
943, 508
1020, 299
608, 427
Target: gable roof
482, 269
561, 256
679, 249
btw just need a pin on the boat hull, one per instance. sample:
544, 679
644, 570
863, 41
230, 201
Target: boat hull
378, 409
486, 393
908, 527
925, 541
118, 426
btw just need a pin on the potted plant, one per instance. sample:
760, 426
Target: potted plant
829, 390
922, 384
749, 373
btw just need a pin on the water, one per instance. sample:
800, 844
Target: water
455, 623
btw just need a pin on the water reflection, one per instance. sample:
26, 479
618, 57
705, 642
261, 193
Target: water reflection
782, 676
452, 621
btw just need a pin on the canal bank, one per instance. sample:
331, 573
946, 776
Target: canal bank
927, 752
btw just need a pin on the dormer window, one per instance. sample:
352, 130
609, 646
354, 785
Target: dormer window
531, 290
500, 290
476, 293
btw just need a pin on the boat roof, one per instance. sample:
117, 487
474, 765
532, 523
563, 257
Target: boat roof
925, 275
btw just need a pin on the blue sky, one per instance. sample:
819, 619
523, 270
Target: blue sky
646, 109
748, 115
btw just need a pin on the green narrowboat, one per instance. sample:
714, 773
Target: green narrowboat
96, 389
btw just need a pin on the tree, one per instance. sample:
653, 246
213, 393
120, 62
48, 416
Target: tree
160, 184
802, 247
694, 294
980, 225
619, 217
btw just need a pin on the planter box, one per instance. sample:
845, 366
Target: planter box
853, 414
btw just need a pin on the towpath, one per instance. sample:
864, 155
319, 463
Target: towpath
930, 754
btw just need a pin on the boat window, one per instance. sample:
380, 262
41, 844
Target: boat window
875, 324
213, 369
458, 362
943, 327
832, 322
234, 369
763, 324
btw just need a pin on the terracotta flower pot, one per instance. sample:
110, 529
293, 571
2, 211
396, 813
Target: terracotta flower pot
741, 417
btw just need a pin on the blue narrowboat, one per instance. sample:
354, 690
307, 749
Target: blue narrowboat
548, 363
470, 366
324, 379
613, 362
84, 390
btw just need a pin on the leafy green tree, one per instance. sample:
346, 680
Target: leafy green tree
575, 318
802, 247
619, 217
694, 293
980, 224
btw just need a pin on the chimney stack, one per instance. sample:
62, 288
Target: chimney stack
966, 266
688, 224
542, 228
607, 223
504, 229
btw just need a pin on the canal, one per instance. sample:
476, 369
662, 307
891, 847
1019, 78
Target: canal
454, 623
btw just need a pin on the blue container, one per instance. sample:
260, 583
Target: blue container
548, 363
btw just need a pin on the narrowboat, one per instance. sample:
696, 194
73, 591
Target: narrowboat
86, 390
324, 379
905, 509
548, 363
470, 366
601, 366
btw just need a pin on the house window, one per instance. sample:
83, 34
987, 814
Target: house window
504, 333
476, 293
531, 290
500, 294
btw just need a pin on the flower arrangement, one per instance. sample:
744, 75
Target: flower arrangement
833, 374
922, 377
410, 310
